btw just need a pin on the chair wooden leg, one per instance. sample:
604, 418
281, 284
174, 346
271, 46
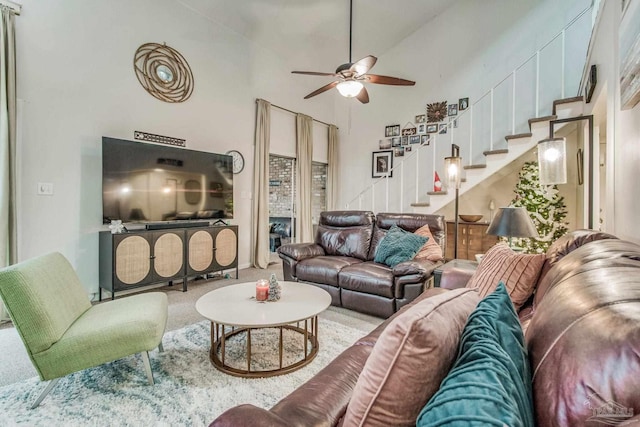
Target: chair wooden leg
147, 366
45, 392
160, 347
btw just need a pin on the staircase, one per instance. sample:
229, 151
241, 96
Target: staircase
489, 135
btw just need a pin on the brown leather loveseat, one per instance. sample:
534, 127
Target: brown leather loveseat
340, 260
583, 341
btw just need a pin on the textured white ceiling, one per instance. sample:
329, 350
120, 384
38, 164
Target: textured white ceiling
314, 34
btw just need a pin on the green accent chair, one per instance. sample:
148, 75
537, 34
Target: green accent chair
64, 333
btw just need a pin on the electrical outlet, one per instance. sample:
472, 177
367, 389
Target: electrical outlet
45, 189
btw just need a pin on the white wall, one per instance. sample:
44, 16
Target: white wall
622, 196
461, 53
76, 83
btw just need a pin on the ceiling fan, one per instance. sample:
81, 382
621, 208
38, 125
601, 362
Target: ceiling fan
350, 76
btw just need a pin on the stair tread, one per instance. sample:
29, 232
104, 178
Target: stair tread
499, 151
474, 167
519, 135
542, 119
420, 204
436, 193
566, 101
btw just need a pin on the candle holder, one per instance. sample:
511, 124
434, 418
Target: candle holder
262, 290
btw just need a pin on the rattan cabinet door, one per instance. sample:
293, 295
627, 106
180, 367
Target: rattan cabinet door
226, 247
132, 260
200, 249
168, 254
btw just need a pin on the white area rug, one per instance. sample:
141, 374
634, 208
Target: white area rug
189, 391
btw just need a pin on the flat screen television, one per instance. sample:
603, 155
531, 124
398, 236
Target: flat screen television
149, 183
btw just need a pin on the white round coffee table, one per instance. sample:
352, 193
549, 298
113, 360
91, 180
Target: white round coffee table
233, 310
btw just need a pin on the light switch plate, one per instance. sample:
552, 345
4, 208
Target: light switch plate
45, 189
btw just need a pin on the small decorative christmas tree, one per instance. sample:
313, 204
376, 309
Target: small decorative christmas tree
274, 288
545, 206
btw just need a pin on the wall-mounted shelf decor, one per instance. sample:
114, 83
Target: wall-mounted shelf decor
163, 72
436, 112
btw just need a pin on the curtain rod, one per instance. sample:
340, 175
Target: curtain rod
15, 7
286, 109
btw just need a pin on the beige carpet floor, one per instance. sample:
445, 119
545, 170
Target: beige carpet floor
15, 364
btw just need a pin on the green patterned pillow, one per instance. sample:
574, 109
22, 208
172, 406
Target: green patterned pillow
398, 246
490, 382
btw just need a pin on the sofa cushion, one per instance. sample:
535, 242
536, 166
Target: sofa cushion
431, 250
398, 246
345, 233
323, 269
519, 272
368, 277
421, 340
490, 382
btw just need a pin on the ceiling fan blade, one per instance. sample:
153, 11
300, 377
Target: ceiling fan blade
322, 89
386, 80
363, 96
362, 66
313, 73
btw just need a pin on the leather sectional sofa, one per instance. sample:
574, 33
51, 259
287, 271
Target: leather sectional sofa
581, 332
340, 260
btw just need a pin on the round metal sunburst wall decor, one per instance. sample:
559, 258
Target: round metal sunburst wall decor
163, 72
436, 112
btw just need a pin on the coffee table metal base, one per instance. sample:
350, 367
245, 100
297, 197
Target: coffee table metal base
218, 345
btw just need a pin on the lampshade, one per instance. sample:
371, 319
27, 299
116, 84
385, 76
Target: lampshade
349, 88
453, 169
512, 222
552, 161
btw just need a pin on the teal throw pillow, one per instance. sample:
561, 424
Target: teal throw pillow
490, 382
398, 246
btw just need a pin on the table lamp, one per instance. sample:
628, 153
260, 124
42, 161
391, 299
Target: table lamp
512, 222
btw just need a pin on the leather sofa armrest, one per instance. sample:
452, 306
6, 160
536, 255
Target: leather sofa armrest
424, 268
455, 278
300, 251
248, 415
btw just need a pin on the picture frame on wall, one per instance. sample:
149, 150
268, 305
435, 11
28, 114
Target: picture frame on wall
404, 140
463, 104
398, 151
442, 128
385, 144
390, 131
407, 148
433, 128
422, 128
425, 139
395, 141
382, 164
591, 84
453, 110
414, 139
421, 118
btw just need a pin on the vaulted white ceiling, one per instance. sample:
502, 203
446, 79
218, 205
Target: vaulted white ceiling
314, 34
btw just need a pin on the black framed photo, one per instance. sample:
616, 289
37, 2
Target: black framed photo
453, 110
463, 104
425, 139
442, 128
432, 128
405, 140
420, 118
395, 141
414, 139
591, 84
382, 164
398, 152
422, 128
393, 130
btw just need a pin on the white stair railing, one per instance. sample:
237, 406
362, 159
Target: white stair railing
478, 136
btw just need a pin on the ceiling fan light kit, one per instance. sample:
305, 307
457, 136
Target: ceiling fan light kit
350, 76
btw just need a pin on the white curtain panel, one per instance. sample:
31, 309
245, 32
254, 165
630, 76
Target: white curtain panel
333, 167
304, 157
8, 214
260, 234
